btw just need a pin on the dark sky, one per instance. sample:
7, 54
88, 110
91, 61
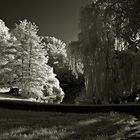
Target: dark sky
59, 18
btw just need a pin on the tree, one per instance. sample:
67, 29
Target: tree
7, 54
59, 60
56, 51
107, 27
33, 71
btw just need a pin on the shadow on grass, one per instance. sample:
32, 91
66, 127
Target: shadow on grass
30, 125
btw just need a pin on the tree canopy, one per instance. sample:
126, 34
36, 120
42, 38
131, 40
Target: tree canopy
24, 63
109, 34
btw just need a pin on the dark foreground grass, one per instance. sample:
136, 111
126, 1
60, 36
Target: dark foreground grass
31, 125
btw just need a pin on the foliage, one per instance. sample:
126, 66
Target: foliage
57, 52
7, 53
32, 72
107, 27
74, 56
28, 66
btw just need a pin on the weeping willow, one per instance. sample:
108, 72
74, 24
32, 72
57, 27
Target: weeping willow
101, 53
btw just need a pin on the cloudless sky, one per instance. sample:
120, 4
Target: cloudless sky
59, 18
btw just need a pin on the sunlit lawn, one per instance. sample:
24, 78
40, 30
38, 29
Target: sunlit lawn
29, 125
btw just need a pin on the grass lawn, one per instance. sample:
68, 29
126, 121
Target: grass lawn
30, 125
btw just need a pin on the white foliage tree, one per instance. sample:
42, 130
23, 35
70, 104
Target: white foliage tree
7, 54
56, 50
33, 73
